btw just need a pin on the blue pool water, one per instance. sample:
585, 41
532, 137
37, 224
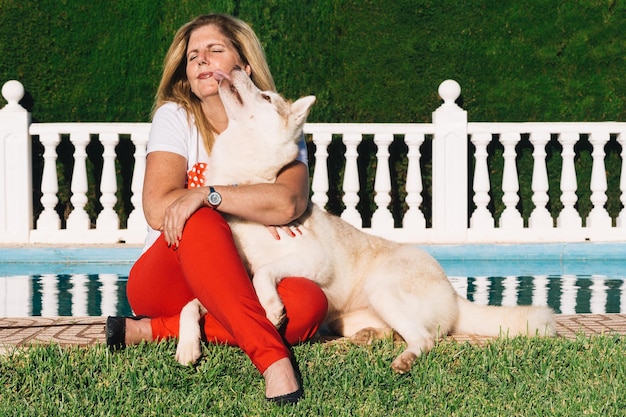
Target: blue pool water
570, 278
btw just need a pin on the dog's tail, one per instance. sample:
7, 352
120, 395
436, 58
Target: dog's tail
503, 321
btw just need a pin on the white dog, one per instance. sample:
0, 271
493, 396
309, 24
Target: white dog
374, 286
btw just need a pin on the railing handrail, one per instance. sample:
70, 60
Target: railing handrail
90, 127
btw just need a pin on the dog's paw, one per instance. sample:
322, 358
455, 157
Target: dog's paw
188, 353
274, 310
404, 362
277, 318
367, 335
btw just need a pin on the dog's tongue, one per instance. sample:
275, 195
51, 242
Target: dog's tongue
220, 75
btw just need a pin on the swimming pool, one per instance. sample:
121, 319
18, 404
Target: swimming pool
570, 278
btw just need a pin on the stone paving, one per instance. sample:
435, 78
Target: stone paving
84, 331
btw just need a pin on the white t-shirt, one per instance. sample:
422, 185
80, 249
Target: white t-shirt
171, 132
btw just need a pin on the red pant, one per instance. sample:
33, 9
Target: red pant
207, 266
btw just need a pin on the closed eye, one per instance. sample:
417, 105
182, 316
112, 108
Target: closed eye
266, 97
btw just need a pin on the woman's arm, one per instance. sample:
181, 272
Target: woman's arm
271, 204
167, 204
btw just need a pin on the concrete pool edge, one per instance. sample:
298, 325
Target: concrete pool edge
470, 252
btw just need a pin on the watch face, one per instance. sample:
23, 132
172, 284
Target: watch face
215, 199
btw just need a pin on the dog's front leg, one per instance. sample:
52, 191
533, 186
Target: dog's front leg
188, 350
265, 283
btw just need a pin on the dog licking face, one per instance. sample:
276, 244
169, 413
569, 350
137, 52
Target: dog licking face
246, 103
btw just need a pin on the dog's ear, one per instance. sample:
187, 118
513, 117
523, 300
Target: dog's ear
300, 108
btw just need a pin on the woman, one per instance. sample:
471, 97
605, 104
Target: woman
189, 250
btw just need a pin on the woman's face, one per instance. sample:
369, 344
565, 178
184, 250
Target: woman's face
208, 50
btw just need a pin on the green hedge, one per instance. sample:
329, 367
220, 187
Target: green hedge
366, 61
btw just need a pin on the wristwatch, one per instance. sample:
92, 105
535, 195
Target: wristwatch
214, 198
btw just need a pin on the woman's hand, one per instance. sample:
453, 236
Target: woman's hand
291, 229
177, 214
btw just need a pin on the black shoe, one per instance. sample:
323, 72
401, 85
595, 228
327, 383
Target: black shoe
291, 398
115, 331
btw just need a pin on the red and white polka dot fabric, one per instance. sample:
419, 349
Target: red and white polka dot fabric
195, 176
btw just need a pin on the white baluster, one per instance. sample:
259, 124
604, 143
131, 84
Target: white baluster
540, 217
136, 219
49, 219
621, 220
108, 290
509, 293
569, 291
49, 295
481, 218
382, 218
108, 218
414, 218
540, 290
79, 293
511, 217
319, 185
599, 295
78, 218
599, 216
351, 180
569, 217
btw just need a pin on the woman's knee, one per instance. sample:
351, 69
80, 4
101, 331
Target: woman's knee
206, 219
304, 300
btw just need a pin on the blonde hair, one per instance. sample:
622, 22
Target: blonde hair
174, 86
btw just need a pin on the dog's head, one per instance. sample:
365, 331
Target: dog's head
252, 109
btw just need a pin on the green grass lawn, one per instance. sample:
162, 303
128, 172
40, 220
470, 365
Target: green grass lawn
521, 376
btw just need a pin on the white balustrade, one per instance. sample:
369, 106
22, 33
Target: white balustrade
136, 220
569, 218
16, 168
351, 180
382, 218
481, 218
540, 217
49, 219
79, 219
450, 147
621, 219
598, 217
319, 185
452, 217
108, 218
414, 218
511, 218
